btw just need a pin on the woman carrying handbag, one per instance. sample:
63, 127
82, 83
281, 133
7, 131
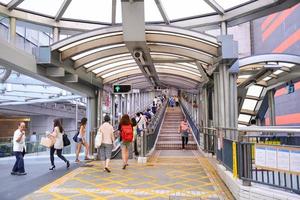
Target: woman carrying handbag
57, 135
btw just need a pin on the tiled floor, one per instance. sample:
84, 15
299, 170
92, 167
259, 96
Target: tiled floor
168, 175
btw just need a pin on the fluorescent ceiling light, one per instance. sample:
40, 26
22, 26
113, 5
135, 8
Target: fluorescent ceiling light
289, 65
88, 39
267, 78
244, 76
278, 72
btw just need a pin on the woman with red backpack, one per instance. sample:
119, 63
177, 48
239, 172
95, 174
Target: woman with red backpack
126, 137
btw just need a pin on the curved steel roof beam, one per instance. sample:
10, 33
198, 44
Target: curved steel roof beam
183, 74
110, 70
93, 44
124, 79
178, 77
98, 55
108, 62
181, 41
184, 52
122, 74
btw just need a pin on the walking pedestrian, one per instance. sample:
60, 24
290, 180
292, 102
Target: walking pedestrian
19, 148
184, 131
108, 139
81, 140
126, 137
135, 135
57, 135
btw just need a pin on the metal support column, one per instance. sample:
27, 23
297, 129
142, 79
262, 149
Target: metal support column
113, 107
92, 119
12, 30
271, 102
55, 34
99, 108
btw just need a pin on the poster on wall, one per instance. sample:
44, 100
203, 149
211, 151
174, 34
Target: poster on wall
283, 159
260, 156
271, 157
295, 160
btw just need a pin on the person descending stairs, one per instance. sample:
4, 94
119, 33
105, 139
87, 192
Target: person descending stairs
169, 138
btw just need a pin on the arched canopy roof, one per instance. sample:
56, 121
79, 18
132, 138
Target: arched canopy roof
174, 51
260, 73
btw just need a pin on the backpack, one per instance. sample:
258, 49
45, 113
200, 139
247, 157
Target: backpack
127, 133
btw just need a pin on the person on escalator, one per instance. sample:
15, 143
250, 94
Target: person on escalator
135, 135
126, 138
108, 140
184, 130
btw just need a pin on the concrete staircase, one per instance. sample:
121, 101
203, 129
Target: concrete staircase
169, 138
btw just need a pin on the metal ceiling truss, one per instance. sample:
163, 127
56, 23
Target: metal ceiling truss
62, 10
241, 14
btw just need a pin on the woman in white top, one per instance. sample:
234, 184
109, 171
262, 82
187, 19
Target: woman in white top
81, 140
57, 134
108, 140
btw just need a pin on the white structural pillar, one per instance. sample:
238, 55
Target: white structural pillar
55, 34
12, 30
91, 116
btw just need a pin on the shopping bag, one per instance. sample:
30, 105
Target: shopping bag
47, 142
98, 139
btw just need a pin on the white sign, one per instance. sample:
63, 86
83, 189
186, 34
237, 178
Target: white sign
283, 159
295, 161
260, 156
271, 157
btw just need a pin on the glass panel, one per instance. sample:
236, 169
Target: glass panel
267, 78
249, 104
4, 24
46, 7
44, 39
187, 8
118, 12
5, 1
244, 118
151, 11
278, 72
254, 90
226, 4
119, 71
92, 10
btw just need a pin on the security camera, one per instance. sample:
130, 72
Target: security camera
138, 54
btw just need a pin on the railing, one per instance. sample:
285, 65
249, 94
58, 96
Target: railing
153, 129
34, 148
264, 139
